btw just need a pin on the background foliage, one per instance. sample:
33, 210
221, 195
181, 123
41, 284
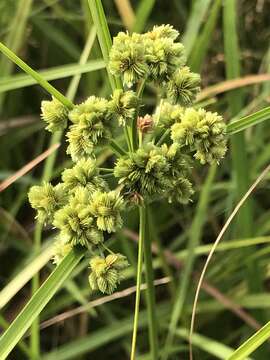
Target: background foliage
224, 40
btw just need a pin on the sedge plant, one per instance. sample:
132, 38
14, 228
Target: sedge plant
154, 165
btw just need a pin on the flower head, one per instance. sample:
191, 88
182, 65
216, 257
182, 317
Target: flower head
46, 199
85, 174
204, 132
55, 114
106, 273
184, 86
163, 55
143, 172
76, 222
106, 208
123, 104
168, 114
92, 127
127, 58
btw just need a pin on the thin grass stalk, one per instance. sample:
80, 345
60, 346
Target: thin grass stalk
142, 214
240, 161
150, 290
194, 239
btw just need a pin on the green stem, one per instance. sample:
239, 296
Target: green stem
150, 292
47, 86
163, 137
142, 211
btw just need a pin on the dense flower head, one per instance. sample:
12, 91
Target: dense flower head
46, 199
180, 191
92, 126
123, 105
55, 114
204, 132
85, 173
106, 273
155, 162
163, 55
143, 171
127, 58
183, 86
167, 114
106, 208
76, 222
163, 31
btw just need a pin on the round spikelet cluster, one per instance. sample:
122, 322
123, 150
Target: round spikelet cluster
106, 273
155, 164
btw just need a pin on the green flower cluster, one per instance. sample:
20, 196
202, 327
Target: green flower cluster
106, 273
203, 132
154, 171
162, 149
155, 56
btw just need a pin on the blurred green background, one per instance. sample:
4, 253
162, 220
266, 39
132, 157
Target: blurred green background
224, 40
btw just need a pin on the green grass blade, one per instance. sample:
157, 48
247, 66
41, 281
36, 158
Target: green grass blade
58, 72
252, 343
40, 299
150, 291
24, 276
249, 120
42, 82
142, 13
104, 37
198, 12
204, 39
194, 239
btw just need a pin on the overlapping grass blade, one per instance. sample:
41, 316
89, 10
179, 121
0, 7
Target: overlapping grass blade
40, 299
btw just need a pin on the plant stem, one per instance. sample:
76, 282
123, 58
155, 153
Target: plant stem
142, 212
44, 83
150, 291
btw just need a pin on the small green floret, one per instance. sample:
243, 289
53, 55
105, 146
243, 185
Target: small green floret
106, 208
127, 58
55, 114
106, 273
204, 132
184, 86
46, 199
123, 105
92, 127
76, 222
85, 173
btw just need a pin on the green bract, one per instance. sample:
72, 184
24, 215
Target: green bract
84, 208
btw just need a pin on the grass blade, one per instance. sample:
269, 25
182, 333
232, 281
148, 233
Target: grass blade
104, 37
249, 120
42, 82
195, 19
252, 343
40, 299
59, 72
24, 276
142, 13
